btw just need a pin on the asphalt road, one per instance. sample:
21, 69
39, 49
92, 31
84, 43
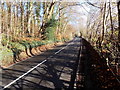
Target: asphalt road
54, 72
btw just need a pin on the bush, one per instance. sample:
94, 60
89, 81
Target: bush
50, 29
33, 44
26, 44
50, 34
36, 43
17, 46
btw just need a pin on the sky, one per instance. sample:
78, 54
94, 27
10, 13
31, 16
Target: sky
79, 16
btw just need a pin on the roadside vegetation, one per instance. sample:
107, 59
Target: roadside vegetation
26, 28
103, 32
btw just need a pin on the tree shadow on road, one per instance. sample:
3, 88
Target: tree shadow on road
56, 73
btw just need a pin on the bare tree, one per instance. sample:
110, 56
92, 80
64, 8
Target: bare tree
118, 6
0, 23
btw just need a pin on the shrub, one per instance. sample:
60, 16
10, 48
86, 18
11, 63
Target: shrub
50, 29
50, 34
26, 44
17, 45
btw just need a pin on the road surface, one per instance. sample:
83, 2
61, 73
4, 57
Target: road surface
53, 69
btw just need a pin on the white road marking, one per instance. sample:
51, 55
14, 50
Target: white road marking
59, 50
63, 48
24, 74
34, 67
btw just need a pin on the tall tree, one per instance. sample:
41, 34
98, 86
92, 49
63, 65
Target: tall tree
47, 15
30, 16
118, 6
111, 20
0, 23
22, 19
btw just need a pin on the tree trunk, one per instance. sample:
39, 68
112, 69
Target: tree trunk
111, 21
104, 25
22, 18
8, 16
118, 6
0, 24
104, 28
30, 17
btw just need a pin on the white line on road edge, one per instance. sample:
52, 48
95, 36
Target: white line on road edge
63, 48
24, 74
33, 68
59, 50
